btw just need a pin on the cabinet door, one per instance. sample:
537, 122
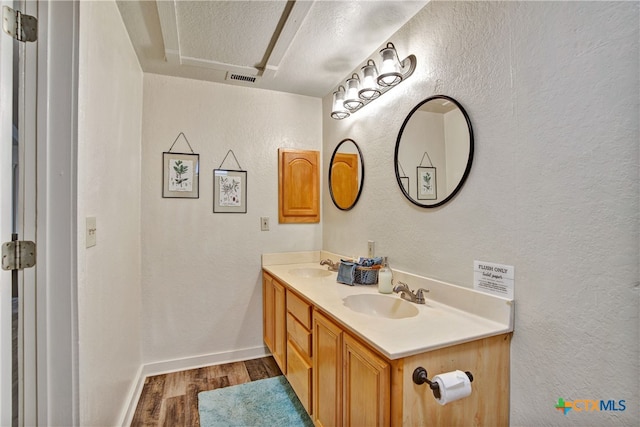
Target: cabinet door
366, 386
299, 186
327, 372
280, 326
268, 312
299, 375
275, 320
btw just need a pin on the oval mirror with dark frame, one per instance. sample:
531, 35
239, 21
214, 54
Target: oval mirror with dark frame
435, 141
346, 174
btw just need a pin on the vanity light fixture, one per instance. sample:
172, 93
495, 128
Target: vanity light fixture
353, 101
338, 111
359, 93
390, 74
369, 89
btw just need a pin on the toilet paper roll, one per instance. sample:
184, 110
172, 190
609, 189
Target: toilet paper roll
453, 385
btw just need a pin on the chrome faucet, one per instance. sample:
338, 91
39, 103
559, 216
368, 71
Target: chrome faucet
409, 295
332, 266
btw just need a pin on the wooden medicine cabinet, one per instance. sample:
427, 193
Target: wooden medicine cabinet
298, 186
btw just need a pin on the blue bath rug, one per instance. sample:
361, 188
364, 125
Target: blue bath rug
269, 402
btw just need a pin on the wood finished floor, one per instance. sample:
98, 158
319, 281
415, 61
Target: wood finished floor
172, 399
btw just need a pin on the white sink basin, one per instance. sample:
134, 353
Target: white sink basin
310, 272
390, 307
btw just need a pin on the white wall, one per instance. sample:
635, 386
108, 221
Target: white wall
427, 131
109, 132
552, 92
202, 292
457, 147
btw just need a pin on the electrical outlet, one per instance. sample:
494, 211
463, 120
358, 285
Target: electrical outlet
371, 248
264, 223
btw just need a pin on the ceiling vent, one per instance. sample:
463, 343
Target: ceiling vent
241, 78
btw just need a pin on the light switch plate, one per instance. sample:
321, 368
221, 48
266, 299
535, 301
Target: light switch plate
92, 231
264, 223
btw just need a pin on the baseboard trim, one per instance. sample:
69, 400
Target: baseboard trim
133, 397
157, 368
182, 364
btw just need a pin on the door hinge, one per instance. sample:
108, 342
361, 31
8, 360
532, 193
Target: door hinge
18, 255
18, 25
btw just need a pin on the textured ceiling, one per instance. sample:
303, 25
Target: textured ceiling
304, 47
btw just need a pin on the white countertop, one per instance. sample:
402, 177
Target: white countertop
451, 315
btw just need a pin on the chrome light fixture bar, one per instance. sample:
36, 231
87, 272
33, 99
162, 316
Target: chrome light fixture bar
361, 92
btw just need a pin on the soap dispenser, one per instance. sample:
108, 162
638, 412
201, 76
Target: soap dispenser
384, 278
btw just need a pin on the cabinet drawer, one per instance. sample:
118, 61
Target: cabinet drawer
299, 376
300, 309
299, 334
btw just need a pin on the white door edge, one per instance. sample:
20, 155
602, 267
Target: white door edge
6, 131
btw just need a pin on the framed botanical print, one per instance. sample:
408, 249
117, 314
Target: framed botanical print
427, 183
229, 191
180, 175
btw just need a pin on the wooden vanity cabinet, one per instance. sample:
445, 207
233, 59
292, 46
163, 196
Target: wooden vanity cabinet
327, 372
342, 381
351, 384
365, 385
299, 348
487, 359
287, 333
274, 319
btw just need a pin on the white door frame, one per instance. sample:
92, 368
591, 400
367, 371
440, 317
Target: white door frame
57, 400
57, 109
6, 127
26, 223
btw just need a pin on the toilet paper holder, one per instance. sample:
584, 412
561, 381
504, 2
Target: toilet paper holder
420, 377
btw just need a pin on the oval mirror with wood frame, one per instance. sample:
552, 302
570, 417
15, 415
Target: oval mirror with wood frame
346, 174
434, 151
